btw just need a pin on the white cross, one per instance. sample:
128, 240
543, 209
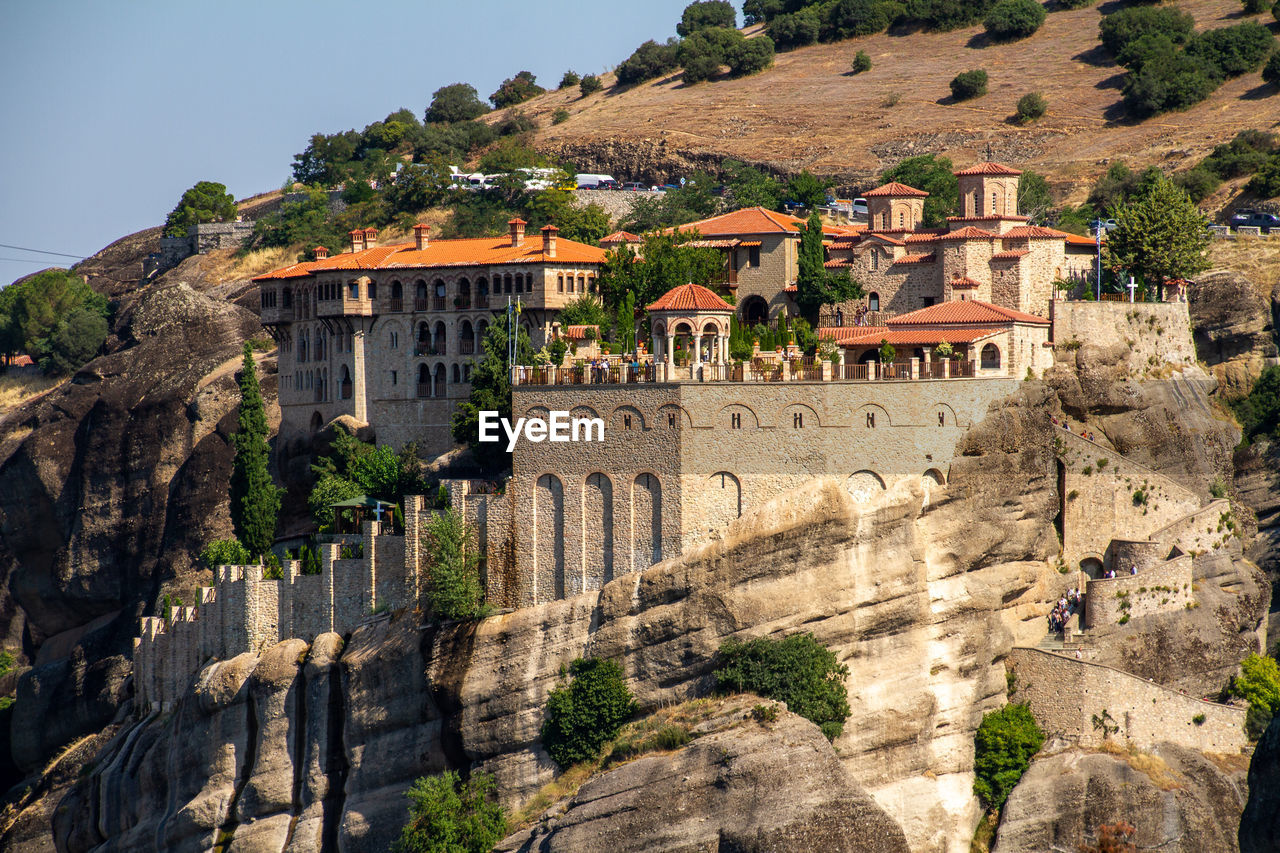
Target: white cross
1132, 287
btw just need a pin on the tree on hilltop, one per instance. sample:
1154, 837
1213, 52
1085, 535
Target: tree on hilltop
455, 102
516, 90
816, 285
255, 499
706, 13
1160, 235
55, 317
205, 202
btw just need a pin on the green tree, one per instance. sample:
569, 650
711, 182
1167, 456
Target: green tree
1031, 106
845, 19
815, 284
861, 62
1271, 71
590, 85
648, 61
1002, 751
796, 670
750, 56
570, 78
1199, 183
455, 102
516, 90
1233, 51
935, 176
586, 310
702, 53
452, 554
224, 552
586, 712
625, 324
328, 490
706, 13
1161, 235
1259, 412
1014, 19
76, 339
887, 352
447, 815
490, 391
667, 262
1254, 7
205, 202
808, 190
255, 499
37, 317
1119, 28
969, 84
795, 29
750, 187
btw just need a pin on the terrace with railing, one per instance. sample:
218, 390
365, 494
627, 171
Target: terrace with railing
619, 372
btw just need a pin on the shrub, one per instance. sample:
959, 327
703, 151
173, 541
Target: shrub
947, 14
1233, 51
969, 84
453, 567
516, 90
588, 711
1002, 750
648, 61
590, 85
1031, 106
224, 552
1199, 182
1199, 719
702, 14
797, 670
1266, 184
850, 18
455, 102
1259, 684
447, 815
1075, 4
1014, 19
1119, 28
205, 202
1243, 155
795, 30
861, 62
560, 116
570, 78
1254, 7
1177, 83
1147, 48
750, 57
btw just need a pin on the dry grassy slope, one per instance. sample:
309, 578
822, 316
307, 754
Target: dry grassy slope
806, 112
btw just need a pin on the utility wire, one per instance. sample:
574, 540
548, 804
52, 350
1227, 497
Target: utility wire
41, 251
27, 260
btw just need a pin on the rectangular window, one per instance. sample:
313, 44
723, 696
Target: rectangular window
393, 377
871, 419
753, 257
671, 419
797, 420
626, 421
735, 420
353, 290
560, 284
373, 290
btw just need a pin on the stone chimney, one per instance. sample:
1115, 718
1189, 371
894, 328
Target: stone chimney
549, 240
321, 253
357, 240
420, 236
516, 227
370, 238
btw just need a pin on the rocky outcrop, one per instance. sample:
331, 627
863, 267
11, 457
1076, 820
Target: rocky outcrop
740, 785
1178, 800
1234, 329
1260, 823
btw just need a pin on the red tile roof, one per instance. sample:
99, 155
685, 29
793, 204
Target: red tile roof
965, 283
853, 336
479, 251
996, 217
748, 220
1010, 255
893, 188
1033, 232
880, 235
690, 297
837, 263
916, 259
579, 333
968, 233
924, 235
967, 311
622, 237
988, 169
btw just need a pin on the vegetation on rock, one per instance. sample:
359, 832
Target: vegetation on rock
1259, 684
1002, 751
796, 670
452, 563
224, 552
255, 499
205, 202
447, 815
587, 712
1259, 412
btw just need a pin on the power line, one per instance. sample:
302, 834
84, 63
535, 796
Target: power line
42, 251
26, 260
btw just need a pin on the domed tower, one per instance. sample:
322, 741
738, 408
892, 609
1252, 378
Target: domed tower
895, 207
988, 191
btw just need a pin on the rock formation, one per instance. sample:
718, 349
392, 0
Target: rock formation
1260, 823
1234, 329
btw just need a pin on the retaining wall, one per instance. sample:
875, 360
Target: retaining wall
1157, 589
1089, 704
1156, 333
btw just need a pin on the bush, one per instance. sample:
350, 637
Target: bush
795, 30
1177, 83
447, 815
947, 14
1259, 684
969, 84
452, 557
224, 552
751, 57
1266, 183
1199, 182
850, 18
1147, 48
1119, 28
861, 62
648, 61
1014, 19
588, 711
1259, 412
516, 90
560, 116
1074, 4
1031, 106
1271, 71
1253, 7
590, 85
702, 14
797, 670
570, 78
205, 202
1233, 51
1002, 750
455, 102
1245, 154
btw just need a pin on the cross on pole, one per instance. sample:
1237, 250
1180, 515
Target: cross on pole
1132, 287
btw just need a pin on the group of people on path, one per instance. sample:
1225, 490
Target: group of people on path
1066, 607
1066, 424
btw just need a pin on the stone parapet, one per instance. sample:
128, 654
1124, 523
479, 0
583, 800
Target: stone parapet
1155, 589
1091, 704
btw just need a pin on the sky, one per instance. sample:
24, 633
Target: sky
110, 109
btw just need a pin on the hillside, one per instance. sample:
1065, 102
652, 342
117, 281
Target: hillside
808, 112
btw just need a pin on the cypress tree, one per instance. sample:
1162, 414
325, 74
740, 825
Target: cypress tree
255, 499
815, 284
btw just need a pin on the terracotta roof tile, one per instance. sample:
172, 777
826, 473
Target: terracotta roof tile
989, 169
969, 233
997, 217
916, 259
965, 283
690, 297
748, 220
1010, 255
579, 333
622, 237
893, 188
1033, 232
924, 235
880, 235
874, 335
966, 311
837, 263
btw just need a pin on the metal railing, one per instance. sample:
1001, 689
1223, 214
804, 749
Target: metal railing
396, 305
467, 346
761, 370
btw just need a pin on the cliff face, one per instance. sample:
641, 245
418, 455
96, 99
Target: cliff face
1234, 326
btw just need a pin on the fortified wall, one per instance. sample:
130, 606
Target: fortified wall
1156, 333
1089, 704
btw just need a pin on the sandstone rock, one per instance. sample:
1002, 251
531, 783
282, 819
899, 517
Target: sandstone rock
1260, 823
1233, 329
1178, 800
741, 786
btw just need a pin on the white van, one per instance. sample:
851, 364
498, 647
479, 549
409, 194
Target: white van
587, 181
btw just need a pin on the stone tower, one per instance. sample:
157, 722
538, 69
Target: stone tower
895, 207
988, 190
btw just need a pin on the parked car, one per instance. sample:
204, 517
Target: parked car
1255, 219
635, 187
860, 206
1109, 225
607, 184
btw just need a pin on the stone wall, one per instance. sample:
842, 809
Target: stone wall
1198, 532
1156, 333
1105, 497
1155, 589
1076, 700
201, 239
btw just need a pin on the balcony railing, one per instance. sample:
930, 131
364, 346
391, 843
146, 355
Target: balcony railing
482, 301
467, 347
429, 349
421, 303
760, 371
396, 304
424, 389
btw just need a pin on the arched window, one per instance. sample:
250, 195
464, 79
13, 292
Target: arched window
424, 381
464, 293
397, 290
439, 339
424, 338
438, 385
873, 301
344, 389
439, 287
990, 357
902, 219
466, 338
457, 374
421, 289
993, 203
